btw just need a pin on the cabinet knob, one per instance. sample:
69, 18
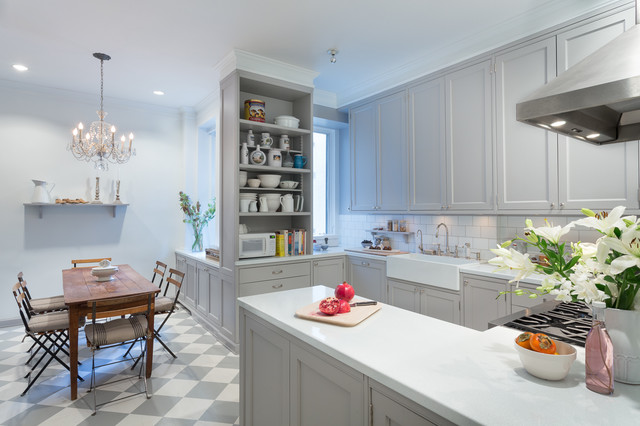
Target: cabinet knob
466, 283
365, 263
553, 205
277, 286
561, 204
276, 272
315, 263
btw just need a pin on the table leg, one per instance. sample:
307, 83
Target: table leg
150, 343
74, 316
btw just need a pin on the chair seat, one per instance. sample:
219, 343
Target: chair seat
116, 331
46, 304
51, 322
163, 304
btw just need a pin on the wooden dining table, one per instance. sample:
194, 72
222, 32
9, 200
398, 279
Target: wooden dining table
81, 288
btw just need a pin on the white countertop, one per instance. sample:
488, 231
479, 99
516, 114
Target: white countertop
466, 376
487, 270
200, 256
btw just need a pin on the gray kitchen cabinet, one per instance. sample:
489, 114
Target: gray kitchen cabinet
322, 391
424, 300
481, 300
518, 73
188, 291
597, 177
469, 146
427, 163
379, 155
368, 277
264, 376
273, 277
202, 288
328, 272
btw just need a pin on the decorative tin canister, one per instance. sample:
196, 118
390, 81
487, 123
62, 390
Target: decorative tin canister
254, 110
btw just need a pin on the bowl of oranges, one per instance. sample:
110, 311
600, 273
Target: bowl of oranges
544, 357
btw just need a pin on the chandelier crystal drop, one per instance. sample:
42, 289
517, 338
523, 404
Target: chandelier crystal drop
98, 142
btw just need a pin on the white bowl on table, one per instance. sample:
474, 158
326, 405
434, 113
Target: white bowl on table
548, 366
269, 181
104, 273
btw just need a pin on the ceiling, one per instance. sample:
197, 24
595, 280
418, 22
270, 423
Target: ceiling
174, 45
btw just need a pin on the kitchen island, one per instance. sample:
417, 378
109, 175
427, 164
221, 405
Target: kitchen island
400, 365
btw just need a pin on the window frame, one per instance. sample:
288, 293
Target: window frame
331, 173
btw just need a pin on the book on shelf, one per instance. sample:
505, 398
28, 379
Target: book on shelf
291, 242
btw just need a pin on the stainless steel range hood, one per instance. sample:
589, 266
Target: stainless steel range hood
597, 100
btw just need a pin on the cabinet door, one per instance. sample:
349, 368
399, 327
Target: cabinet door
363, 158
427, 176
597, 177
215, 297
181, 265
387, 412
323, 394
202, 289
189, 284
441, 305
468, 138
368, 278
403, 295
328, 272
481, 301
265, 379
392, 152
518, 73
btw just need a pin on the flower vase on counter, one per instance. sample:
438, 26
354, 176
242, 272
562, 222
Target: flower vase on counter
196, 218
624, 329
197, 238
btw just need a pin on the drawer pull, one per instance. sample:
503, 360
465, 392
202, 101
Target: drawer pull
365, 263
315, 263
276, 272
277, 286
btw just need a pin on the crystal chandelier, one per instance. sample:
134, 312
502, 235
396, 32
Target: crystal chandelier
98, 143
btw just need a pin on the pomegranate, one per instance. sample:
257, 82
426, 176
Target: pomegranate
344, 307
345, 292
330, 306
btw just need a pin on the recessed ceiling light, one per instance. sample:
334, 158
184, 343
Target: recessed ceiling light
158, 92
558, 123
19, 67
545, 126
593, 135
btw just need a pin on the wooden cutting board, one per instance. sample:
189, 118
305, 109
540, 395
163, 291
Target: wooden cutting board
378, 252
356, 316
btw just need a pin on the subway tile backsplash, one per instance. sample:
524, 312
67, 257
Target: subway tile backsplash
482, 232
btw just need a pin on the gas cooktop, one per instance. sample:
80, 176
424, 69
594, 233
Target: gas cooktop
567, 322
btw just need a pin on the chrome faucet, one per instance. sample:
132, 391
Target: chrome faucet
420, 247
446, 250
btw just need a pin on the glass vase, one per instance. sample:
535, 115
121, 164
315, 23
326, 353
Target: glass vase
599, 354
197, 239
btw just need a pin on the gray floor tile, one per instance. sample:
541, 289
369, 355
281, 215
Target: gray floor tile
33, 416
222, 411
206, 390
193, 373
158, 405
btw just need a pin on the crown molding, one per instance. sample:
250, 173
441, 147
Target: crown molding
325, 98
241, 60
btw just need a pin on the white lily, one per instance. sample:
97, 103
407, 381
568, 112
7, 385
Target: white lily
549, 232
607, 224
584, 250
510, 259
584, 286
628, 245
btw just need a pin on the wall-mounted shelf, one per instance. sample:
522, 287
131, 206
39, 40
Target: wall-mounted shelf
274, 130
258, 214
39, 206
375, 232
250, 189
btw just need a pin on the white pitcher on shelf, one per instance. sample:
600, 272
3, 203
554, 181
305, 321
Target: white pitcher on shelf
263, 205
287, 203
40, 193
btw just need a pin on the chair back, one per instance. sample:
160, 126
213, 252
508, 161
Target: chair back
82, 262
175, 278
21, 299
159, 272
23, 283
118, 306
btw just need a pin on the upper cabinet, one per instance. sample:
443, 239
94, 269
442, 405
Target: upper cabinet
597, 177
379, 155
527, 155
469, 147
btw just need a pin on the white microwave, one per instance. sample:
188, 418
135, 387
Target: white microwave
257, 245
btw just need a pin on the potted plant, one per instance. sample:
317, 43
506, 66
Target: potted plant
607, 270
196, 218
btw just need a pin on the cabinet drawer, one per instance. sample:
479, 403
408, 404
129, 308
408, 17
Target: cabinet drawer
270, 286
272, 272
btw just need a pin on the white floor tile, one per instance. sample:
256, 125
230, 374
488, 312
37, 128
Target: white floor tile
176, 387
9, 409
67, 417
195, 348
189, 408
221, 375
207, 360
231, 393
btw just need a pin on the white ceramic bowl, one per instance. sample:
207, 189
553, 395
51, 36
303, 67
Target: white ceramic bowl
104, 274
287, 121
288, 184
548, 366
242, 178
269, 181
253, 183
273, 201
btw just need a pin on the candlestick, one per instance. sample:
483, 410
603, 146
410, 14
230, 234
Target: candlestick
117, 201
97, 200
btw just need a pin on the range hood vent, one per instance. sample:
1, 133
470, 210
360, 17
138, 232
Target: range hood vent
597, 100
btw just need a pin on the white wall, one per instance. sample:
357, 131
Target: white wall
35, 127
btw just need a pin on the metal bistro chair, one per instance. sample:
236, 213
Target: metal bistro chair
85, 261
50, 332
166, 305
115, 332
42, 304
158, 271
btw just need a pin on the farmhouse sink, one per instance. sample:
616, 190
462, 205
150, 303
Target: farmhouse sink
437, 271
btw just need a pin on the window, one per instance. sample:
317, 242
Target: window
324, 141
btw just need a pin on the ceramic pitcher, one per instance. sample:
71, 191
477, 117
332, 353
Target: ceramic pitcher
40, 193
286, 201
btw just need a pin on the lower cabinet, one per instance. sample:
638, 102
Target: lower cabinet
274, 277
368, 277
482, 302
424, 300
328, 272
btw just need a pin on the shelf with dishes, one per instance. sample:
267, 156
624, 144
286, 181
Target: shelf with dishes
263, 214
259, 127
255, 168
268, 148
282, 190
39, 206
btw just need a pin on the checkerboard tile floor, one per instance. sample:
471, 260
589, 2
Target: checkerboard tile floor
200, 387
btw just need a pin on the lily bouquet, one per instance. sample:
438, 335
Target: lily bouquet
607, 270
196, 218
